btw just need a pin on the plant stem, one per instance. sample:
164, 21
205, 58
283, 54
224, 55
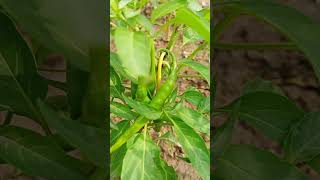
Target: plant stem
257, 46
8, 118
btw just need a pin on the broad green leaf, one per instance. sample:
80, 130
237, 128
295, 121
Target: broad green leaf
122, 111
142, 160
20, 83
194, 119
244, 162
143, 109
167, 8
77, 82
134, 51
193, 145
193, 96
270, 113
117, 156
38, 156
202, 69
91, 141
300, 29
129, 12
259, 84
303, 142
192, 20
72, 27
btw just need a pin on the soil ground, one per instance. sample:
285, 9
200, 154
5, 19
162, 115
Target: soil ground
288, 69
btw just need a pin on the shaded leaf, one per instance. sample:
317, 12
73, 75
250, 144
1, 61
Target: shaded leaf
37, 155
243, 162
270, 113
20, 83
91, 141
303, 142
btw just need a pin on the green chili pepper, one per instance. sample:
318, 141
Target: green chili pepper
142, 90
157, 103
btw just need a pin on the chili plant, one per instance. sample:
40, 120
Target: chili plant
75, 120
264, 106
145, 97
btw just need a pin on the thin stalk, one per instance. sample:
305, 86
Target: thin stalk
257, 46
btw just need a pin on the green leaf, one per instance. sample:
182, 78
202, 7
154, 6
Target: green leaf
144, 109
202, 69
134, 52
20, 83
303, 141
91, 141
123, 3
116, 88
300, 29
142, 160
38, 155
270, 113
193, 96
197, 23
204, 105
72, 34
193, 145
243, 162
166, 8
222, 137
259, 84
117, 156
122, 111
194, 119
